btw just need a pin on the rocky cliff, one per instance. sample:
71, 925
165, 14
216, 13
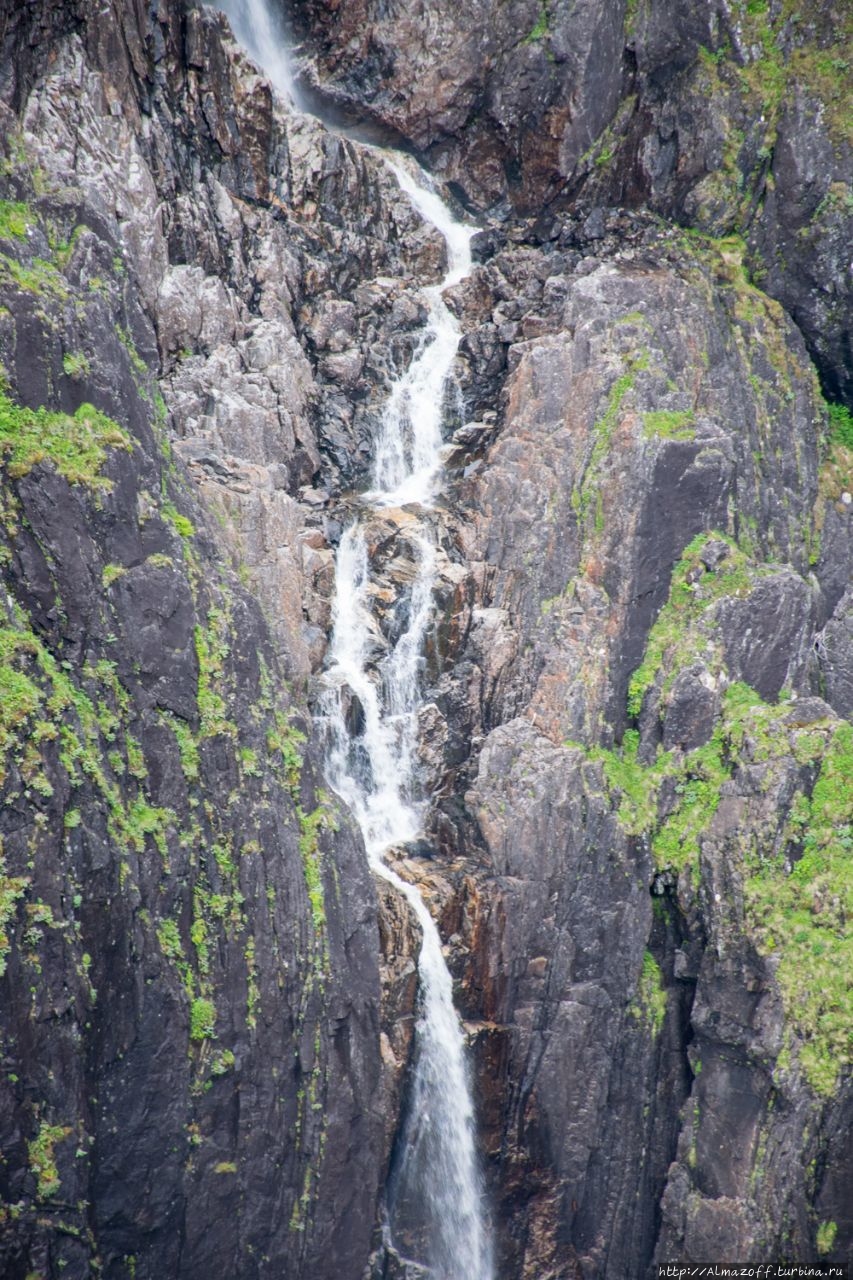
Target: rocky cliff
638, 686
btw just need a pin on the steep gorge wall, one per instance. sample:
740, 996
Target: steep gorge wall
613, 850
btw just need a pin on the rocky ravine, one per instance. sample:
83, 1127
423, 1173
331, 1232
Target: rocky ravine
638, 682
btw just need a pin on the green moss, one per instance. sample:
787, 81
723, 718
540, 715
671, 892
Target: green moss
76, 365
76, 444
826, 1234
15, 219
253, 991
587, 494
169, 937
311, 824
542, 27
670, 425
182, 526
840, 425
650, 1006
110, 573
692, 590
797, 881
12, 889
286, 741
139, 369
198, 930
222, 1063
798, 890
40, 278
249, 762
43, 1160
211, 646
188, 748
803, 914
202, 1019
61, 248
144, 820
20, 697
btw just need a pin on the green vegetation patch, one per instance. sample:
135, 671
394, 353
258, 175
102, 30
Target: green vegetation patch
798, 890
42, 701
202, 1019
840, 425
826, 1234
76, 365
669, 424
12, 889
285, 742
183, 526
76, 444
587, 494
803, 914
40, 277
650, 1005
311, 824
692, 590
15, 219
43, 1160
541, 28
212, 648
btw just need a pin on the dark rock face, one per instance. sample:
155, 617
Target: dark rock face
633, 732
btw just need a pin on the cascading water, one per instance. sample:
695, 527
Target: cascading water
407, 454
373, 770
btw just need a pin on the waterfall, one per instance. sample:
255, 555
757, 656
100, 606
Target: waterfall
369, 712
373, 769
407, 455
259, 32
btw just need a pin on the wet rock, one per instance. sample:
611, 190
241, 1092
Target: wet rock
399, 944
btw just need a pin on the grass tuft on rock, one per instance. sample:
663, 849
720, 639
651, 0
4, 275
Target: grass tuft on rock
77, 444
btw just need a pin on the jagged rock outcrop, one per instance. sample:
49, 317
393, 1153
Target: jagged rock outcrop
637, 683
732, 118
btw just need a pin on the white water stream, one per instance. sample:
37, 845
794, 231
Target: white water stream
375, 773
259, 32
374, 770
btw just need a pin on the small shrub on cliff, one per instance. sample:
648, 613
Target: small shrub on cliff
76, 365
840, 425
202, 1019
